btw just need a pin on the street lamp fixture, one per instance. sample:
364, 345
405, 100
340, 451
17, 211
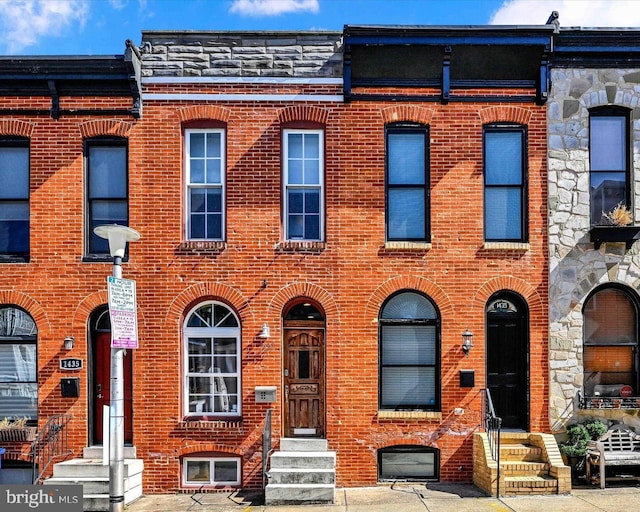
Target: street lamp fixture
467, 342
118, 237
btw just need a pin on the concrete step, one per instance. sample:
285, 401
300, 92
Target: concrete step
93, 484
78, 468
522, 468
100, 502
521, 452
302, 444
302, 476
292, 494
522, 485
303, 460
95, 452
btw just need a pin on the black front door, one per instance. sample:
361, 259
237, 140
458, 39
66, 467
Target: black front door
507, 361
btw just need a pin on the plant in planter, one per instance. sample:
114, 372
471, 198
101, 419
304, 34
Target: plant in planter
618, 216
574, 449
16, 429
616, 225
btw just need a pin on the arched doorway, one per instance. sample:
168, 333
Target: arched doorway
304, 370
100, 336
508, 358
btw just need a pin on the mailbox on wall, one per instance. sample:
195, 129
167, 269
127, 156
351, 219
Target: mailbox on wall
70, 387
265, 394
467, 378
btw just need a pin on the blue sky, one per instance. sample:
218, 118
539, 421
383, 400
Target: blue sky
100, 27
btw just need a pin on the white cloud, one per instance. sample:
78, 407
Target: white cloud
24, 22
272, 7
573, 13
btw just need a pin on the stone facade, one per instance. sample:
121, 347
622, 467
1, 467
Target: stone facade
575, 266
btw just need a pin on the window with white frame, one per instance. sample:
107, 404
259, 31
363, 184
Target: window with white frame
608, 160
14, 199
205, 177
212, 347
407, 182
303, 184
505, 193
211, 471
409, 353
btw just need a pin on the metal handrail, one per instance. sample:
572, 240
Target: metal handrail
492, 424
266, 446
51, 443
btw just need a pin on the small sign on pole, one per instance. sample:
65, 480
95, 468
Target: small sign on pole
123, 312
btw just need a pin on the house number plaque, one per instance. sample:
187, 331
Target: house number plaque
71, 363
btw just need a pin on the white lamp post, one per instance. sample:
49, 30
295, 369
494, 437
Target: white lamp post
118, 237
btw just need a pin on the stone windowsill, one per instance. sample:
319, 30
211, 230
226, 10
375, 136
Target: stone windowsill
411, 415
506, 246
202, 246
210, 424
407, 246
301, 246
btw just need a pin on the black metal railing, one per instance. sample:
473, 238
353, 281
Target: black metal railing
266, 446
51, 444
492, 424
608, 402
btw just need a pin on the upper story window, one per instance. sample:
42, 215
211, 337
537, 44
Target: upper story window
18, 364
107, 196
611, 343
505, 193
409, 353
407, 183
608, 160
14, 199
303, 184
212, 362
205, 177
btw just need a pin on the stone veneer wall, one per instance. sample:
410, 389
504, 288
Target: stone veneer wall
575, 266
242, 54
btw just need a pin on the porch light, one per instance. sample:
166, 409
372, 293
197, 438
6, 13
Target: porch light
69, 341
265, 332
467, 341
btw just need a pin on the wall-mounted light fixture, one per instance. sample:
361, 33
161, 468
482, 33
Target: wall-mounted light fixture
265, 332
69, 341
467, 342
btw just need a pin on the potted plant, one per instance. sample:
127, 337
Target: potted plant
16, 429
574, 449
615, 225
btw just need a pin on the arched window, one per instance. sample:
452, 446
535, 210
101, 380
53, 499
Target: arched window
212, 347
611, 342
18, 364
409, 353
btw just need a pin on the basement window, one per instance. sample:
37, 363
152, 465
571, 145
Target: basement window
408, 462
211, 471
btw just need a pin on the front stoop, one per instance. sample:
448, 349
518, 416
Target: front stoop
530, 463
303, 471
94, 478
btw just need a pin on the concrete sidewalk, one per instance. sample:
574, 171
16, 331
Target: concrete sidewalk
431, 497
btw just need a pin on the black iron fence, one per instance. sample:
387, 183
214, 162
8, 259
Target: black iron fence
492, 424
50, 445
266, 446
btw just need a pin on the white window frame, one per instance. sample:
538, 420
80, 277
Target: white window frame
212, 461
287, 186
210, 332
189, 185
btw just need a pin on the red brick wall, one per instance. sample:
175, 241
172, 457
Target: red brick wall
350, 277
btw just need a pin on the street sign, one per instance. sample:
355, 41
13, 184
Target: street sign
123, 312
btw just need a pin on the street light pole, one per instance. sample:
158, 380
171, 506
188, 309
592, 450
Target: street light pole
118, 237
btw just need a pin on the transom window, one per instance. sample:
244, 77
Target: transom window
211, 471
107, 199
409, 353
205, 170
611, 343
14, 199
505, 204
608, 160
407, 183
18, 364
303, 183
212, 361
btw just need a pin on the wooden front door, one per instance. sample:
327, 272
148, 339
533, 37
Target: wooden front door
507, 363
304, 382
102, 388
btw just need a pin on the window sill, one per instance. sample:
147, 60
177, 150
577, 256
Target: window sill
595, 402
407, 246
506, 246
202, 246
615, 234
101, 258
301, 246
199, 424
411, 415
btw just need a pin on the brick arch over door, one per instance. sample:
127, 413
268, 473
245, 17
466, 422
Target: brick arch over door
388, 288
204, 112
312, 291
16, 127
303, 113
31, 306
406, 113
105, 127
204, 291
504, 113
513, 284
